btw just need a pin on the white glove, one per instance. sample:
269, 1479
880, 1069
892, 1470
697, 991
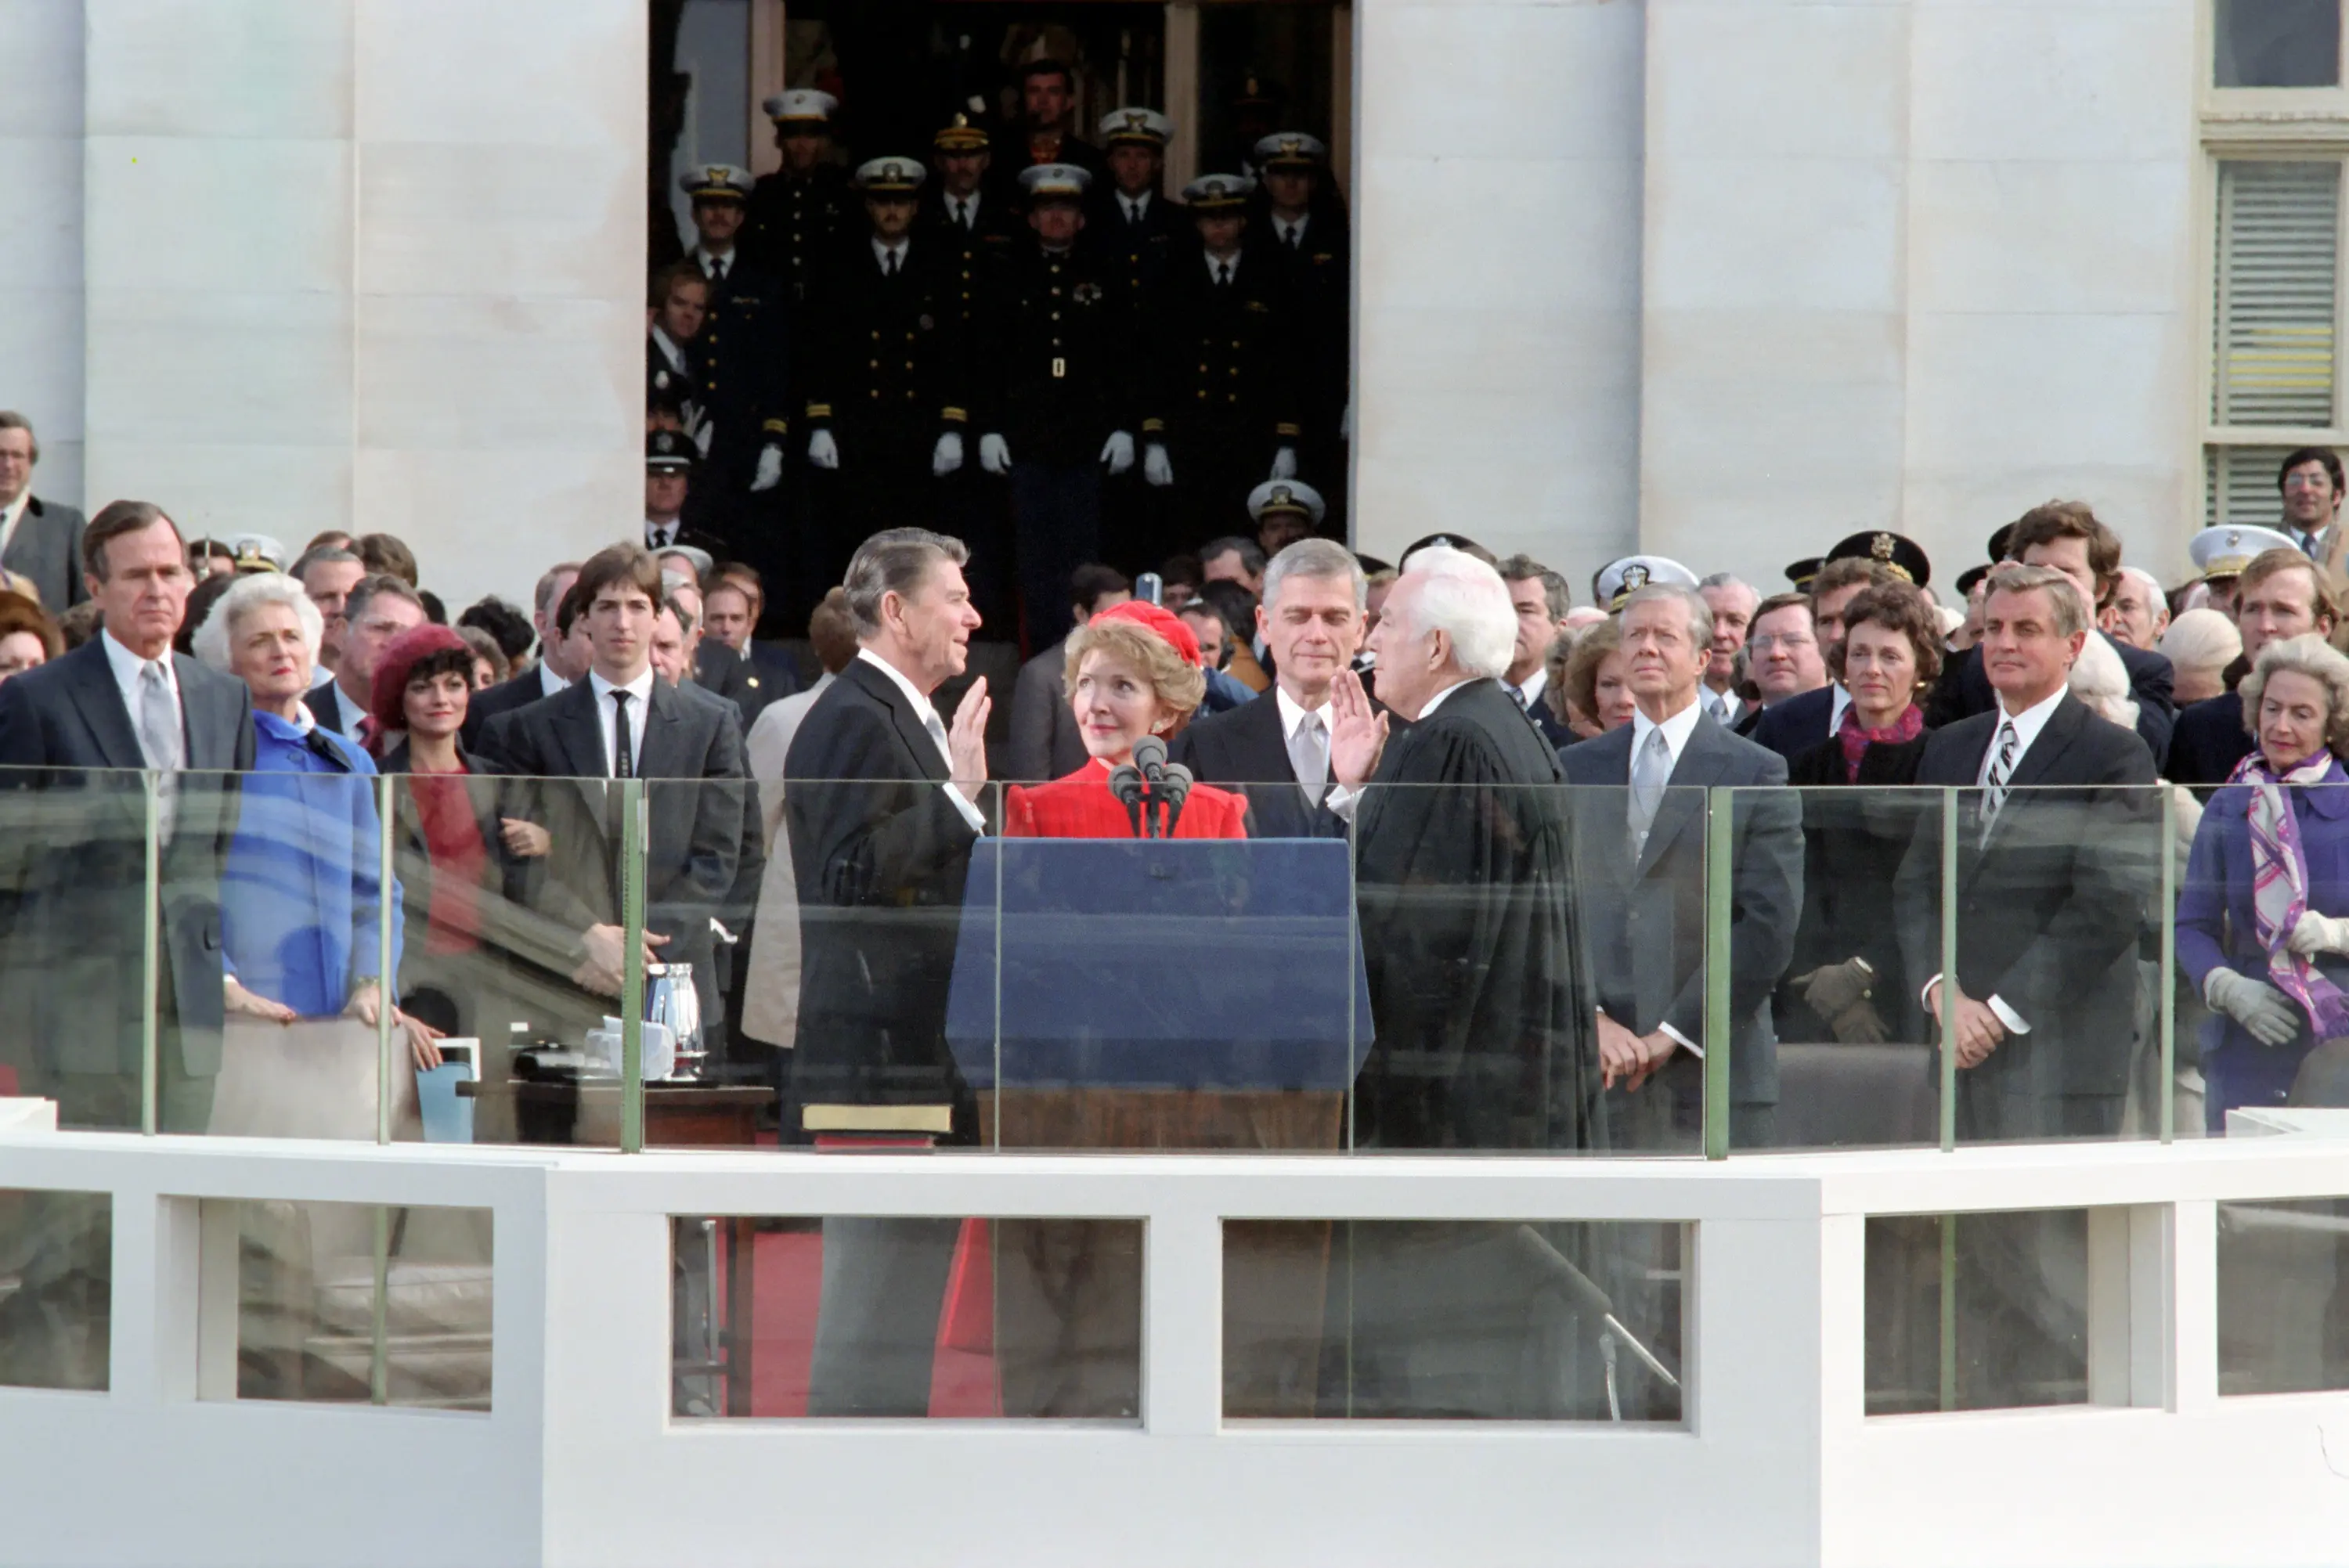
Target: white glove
1155, 466
1118, 453
824, 452
1283, 464
946, 456
1346, 424
2267, 1013
771, 468
2318, 934
995, 454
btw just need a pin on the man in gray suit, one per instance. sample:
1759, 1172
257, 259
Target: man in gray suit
1640, 843
39, 539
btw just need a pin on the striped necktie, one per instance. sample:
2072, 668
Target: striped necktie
2002, 768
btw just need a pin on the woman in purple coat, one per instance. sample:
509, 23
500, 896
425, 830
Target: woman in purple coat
2263, 917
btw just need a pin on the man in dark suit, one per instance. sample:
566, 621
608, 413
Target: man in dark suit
2067, 536
39, 539
1135, 228
376, 611
2281, 593
1642, 848
1541, 599
622, 722
1276, 752
882, 802
565, 654
742, 356
2053, 889
75, 735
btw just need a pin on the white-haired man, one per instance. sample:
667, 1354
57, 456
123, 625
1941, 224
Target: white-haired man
1643, 850
1478, 978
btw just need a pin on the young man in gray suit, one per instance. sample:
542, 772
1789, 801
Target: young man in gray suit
39, 539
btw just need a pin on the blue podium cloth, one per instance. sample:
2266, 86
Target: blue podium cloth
1129, 964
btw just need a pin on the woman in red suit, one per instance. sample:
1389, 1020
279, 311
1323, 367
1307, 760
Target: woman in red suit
1132, 670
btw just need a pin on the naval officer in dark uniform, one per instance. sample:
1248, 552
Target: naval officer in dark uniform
802, 208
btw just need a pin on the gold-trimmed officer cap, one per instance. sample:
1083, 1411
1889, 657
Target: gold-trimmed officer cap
257, 552
670, 450
1047, 180
1902, 553
1275, 498
890, 176
804, 104
1217, 193
960, 136
1136, 125
1291, 149
716, 182
2225, 551
1800, 573
1619, 580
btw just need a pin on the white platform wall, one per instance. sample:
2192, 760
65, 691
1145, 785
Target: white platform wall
1722, 278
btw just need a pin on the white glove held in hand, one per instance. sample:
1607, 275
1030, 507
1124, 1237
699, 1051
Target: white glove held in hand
1283, 464
771, 468
1156, 467
2319, 934
1118, 453
824, 452
946, 456
995, 454
2267, 1013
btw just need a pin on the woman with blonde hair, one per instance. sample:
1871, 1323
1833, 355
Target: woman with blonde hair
2263, 917
1131, 671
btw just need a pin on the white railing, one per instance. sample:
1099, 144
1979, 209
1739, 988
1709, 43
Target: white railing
578, 1461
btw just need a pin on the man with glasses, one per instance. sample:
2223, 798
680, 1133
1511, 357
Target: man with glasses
2310, 481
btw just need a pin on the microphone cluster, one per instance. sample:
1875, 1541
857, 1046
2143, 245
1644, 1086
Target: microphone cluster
1152, 789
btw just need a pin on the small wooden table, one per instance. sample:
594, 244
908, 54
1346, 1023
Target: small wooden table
676, 1115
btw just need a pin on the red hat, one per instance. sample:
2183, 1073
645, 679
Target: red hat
389, 693
1150, 617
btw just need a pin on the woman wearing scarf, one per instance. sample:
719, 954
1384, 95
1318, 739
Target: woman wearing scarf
1847, 983
2260, 925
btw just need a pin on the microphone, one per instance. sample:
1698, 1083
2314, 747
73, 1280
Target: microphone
1150, 755
1125, 783
1175, 789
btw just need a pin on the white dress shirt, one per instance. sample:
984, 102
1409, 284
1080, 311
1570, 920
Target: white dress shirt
126, 666
1676, 732
640, 691
714, 264
11, 515
1216, 265
1294, 713
549, 682
670, 351
661, 535
881, 254
1531, 691
1284, 230
2027, 726
1343, 800
963, 210
925, 710
1835, 710
1137, 207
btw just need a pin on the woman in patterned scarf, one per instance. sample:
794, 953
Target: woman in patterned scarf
2260, 925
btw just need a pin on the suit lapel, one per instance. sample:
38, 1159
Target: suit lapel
662, 754
101, 708
203, 710
910, 728
1700, 765
2054, 739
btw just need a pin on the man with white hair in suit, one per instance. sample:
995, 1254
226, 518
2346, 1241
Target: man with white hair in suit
1479, 986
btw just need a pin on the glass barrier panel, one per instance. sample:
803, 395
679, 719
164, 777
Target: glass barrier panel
56, 1281
510, 949
74, 897
2271, 1026
345, 1304
2283, 1313
1979, 1311
1857, 1054
1452, 1320
940, 1319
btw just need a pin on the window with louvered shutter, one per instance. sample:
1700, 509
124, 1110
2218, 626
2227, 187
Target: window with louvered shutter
2239, 486
2277, 286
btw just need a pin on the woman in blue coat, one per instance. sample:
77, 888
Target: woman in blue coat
302, 904
2263, 917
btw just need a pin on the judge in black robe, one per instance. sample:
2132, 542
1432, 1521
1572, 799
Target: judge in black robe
1483, 1012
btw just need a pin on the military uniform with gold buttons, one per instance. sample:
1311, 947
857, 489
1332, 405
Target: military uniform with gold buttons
1057, 389
1314, 250
980, 229
1222, 395
741, 360
796, 219
885, 383
1136, 233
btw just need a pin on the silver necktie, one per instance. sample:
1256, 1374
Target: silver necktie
161, 743
1651, 769
937, 728
1308, 753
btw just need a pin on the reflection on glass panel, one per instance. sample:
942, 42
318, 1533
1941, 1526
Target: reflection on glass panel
2276, 43
1977, 1312
2283, 1314
347, 1303
936, 1318
73, 946
1858, 1054
1452, 1320
57, 1276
